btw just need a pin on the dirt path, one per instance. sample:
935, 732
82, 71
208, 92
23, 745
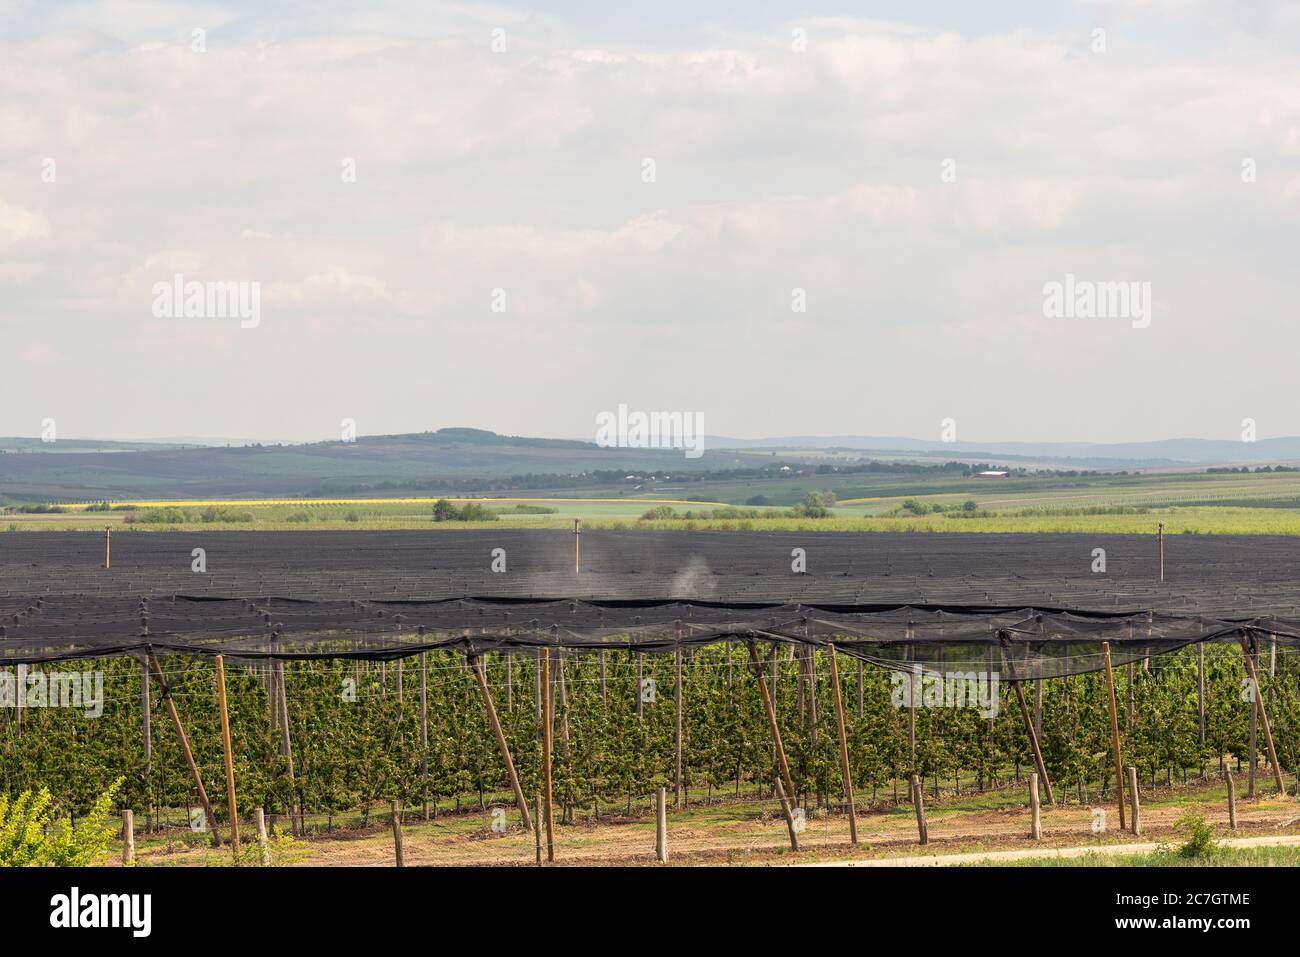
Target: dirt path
752, 833
1108, 850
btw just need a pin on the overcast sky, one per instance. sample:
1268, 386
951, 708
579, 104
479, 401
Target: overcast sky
783, 161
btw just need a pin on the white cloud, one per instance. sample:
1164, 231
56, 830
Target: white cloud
522, 171
18, 224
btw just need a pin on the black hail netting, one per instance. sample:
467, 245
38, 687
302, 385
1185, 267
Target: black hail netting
1023, 606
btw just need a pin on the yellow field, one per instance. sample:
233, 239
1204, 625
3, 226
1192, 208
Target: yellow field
307, 502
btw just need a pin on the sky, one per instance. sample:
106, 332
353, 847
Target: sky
787, 219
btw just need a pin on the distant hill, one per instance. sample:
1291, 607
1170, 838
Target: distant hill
1162, 453
416, 463
23, 444
475, 460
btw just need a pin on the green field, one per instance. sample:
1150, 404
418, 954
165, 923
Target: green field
1187, 503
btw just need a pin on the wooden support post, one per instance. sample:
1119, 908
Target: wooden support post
537, 691
259, 818
397, 833
1160, 539
286, 747
1232, 800
844, 747
231, 804
1263, 719
911, 710
504, 748
661, 825
1114, 732
782, 765
787, 810
108, 546
639, 679
577, 552
424, 727
537, 831
677, 725
510, 679
1252, 740
547, 731
1038, 708
146, 729
1200, 693
918, 802
1033, 742
1035, 809
185, 749
810, 656
776, 671
1135, 802
273, 694
128, 837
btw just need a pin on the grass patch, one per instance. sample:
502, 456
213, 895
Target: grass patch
1284, 856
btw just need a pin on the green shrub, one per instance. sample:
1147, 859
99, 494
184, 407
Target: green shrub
1198, 836
214, 513
813, 506
30, 836
659, 512
159, 516
446, 511
474, 512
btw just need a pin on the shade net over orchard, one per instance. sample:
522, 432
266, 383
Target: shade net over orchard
1024, 606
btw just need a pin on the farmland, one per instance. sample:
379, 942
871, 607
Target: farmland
325, 744
351, 755
1188, 503
726, 830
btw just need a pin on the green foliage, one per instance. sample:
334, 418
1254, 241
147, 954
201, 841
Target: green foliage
814, 505
447, 511
31, 837
214, 513
157, 516
362, 750
1198, 836
279, 848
